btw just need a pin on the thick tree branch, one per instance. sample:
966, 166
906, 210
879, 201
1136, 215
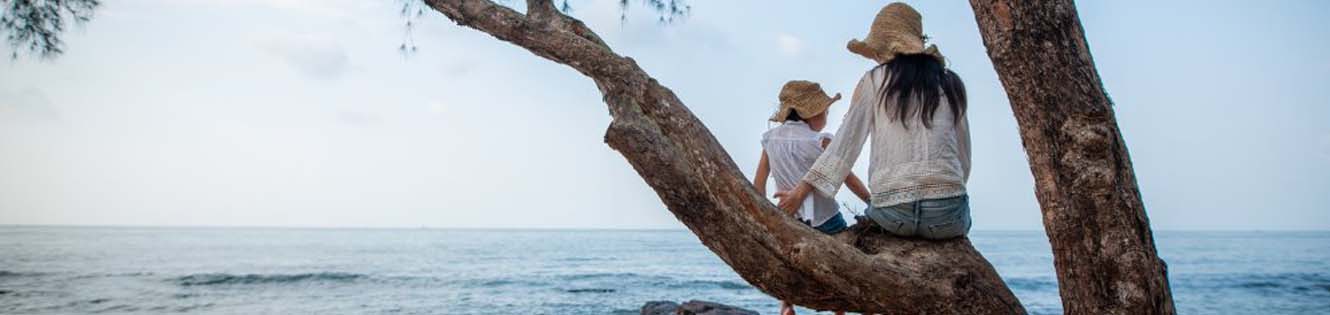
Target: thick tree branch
545, 12
861, 270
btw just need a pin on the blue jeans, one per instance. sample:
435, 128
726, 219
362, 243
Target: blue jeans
934, 219
833, 225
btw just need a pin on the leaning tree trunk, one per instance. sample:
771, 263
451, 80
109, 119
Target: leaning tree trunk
1102, 245
861, 270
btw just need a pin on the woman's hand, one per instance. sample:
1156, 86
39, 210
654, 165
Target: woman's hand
791, 200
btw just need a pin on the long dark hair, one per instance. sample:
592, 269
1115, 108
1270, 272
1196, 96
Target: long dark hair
921, 78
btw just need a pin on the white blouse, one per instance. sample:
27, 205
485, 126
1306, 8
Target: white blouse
905, 164
791, 150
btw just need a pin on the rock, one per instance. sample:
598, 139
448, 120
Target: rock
659, 308
696, 307
692, 308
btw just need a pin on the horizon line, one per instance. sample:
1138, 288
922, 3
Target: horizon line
502, 228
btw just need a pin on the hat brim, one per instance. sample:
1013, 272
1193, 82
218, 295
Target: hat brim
781, 114
784, 111
864, 49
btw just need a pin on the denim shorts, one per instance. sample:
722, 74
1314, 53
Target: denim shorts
930, 218
832, 226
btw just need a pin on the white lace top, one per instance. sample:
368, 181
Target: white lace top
905, 165
791, 150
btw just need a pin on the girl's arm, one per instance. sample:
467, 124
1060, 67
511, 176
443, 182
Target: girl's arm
763, 171
858, 188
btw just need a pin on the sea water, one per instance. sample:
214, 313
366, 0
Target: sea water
74, 270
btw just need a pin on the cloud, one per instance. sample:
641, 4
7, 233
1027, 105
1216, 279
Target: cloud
458, 68
30, 105
436, 108
323, 8
314, 56
789, 44
358, 118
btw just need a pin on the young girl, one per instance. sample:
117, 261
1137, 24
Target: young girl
790, 149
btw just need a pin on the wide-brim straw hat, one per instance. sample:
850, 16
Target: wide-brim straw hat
803, 97
897, 29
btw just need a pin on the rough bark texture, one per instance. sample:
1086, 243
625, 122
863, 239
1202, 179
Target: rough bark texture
669, 147
1102, 245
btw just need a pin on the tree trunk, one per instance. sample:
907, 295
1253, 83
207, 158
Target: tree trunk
860, 270
1102, 245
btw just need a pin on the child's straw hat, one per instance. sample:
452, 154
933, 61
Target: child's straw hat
898, 29
803, 97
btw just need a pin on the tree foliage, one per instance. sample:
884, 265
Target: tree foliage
667, 12
35, 26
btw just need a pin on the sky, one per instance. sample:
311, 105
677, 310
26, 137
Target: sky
304, 113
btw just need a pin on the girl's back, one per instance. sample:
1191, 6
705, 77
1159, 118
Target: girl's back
791, 150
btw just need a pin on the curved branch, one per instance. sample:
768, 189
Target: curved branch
861, 270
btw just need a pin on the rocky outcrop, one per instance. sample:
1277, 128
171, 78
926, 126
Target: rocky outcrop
692, 308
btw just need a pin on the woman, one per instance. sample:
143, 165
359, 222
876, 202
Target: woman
914, 108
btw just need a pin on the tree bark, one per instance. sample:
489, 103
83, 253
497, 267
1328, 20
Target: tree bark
1102, 245
861, 270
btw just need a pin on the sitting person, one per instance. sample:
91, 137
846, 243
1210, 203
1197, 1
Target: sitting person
790, 149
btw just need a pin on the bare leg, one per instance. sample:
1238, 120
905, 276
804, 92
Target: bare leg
786, 309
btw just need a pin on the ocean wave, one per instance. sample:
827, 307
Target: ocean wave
1304, 283
108, 275
586, 259
161, 308
16, 274
590, 290
1307, 283
1032, 284
711, 284
637, 279
203, 279
504, 282
596, 276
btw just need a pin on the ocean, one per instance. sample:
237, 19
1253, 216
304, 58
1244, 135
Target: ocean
123, 270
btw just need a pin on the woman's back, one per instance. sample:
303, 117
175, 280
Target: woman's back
908, 160
917, 161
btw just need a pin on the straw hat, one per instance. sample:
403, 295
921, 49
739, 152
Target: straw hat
898, 29
803, 97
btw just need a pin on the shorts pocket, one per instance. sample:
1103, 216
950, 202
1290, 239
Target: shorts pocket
889, 220
953, 223
945, 230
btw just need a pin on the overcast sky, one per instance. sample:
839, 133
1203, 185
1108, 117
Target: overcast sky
304, 113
